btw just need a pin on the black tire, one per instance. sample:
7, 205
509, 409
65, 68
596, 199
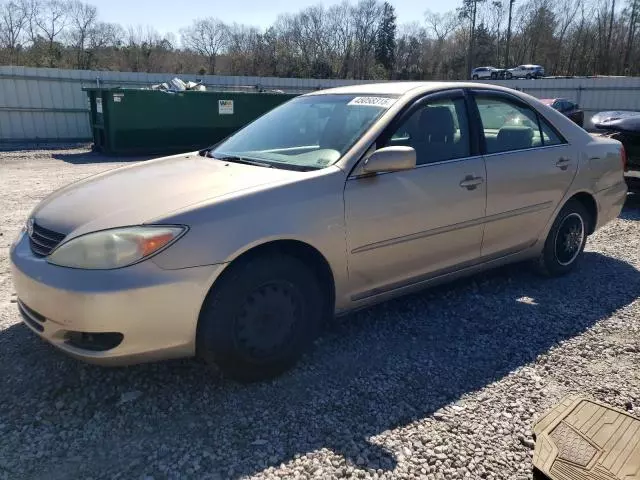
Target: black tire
538, 475
528, 76
260, 318
475, 77
508, 75
565, 243
494, 76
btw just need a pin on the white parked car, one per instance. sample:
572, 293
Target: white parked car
525, 71
485, 72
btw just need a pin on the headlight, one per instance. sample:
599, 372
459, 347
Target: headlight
114, 248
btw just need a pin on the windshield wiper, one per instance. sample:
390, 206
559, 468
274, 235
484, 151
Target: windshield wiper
258, 163
245, 161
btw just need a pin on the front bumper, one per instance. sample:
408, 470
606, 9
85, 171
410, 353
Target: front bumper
155, 310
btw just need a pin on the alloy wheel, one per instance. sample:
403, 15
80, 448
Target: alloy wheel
569, 239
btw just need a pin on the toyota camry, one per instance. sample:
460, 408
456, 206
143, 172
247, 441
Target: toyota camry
333, 201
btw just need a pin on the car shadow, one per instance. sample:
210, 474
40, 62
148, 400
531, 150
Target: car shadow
79, 158
36, 145
374, 370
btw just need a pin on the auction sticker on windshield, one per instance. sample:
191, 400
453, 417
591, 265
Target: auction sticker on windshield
382, 102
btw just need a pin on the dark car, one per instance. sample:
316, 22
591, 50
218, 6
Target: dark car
567, 108
626, 130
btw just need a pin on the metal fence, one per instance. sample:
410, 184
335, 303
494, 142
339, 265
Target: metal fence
48, 104
591, 94
44, 104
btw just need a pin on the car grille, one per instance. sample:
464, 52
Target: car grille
43, 241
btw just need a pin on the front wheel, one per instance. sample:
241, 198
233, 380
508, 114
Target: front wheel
475, 77
565, 243
261, 318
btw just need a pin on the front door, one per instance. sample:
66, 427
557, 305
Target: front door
529, 169
404, 227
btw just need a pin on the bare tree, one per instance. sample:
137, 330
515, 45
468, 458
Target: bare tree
565, 13
82, 21
469, 10
208, 37
50, 20
341, 31
242, 46
634, 19
14, 19
611, 17
146, 50
440, 24
366, 16
341, 41
491, 15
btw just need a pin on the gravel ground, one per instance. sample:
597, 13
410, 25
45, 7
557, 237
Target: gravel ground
439, 385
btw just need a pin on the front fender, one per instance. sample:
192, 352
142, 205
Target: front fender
310, 210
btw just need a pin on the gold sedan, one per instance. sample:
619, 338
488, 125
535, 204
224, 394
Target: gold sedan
333, 201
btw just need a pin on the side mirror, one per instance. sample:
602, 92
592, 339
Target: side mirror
390, 159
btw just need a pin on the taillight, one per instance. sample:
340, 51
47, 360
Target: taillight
623, 157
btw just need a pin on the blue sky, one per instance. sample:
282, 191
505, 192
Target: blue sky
171, 16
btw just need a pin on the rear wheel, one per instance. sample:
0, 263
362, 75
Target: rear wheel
508, 75
475, 77
566, 240
529, 76
260, 319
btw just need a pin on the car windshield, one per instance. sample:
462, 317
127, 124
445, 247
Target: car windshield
308, 132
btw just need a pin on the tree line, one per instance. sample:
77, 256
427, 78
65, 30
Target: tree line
360, 40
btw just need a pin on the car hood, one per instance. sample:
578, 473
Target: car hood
139, 193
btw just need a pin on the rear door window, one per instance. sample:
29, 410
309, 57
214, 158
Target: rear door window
509, 126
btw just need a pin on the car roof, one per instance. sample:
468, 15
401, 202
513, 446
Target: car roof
403, 88
388, 88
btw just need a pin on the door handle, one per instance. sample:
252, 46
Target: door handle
563, 163
470, 182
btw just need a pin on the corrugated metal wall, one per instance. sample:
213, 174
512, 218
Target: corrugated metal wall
592, 94
45, 104
48, 104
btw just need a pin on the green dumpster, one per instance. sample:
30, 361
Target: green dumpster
143, 121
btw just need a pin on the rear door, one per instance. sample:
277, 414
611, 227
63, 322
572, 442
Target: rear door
530, 166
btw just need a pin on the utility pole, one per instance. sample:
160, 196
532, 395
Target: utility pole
506, 53
608, 58
474, 5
